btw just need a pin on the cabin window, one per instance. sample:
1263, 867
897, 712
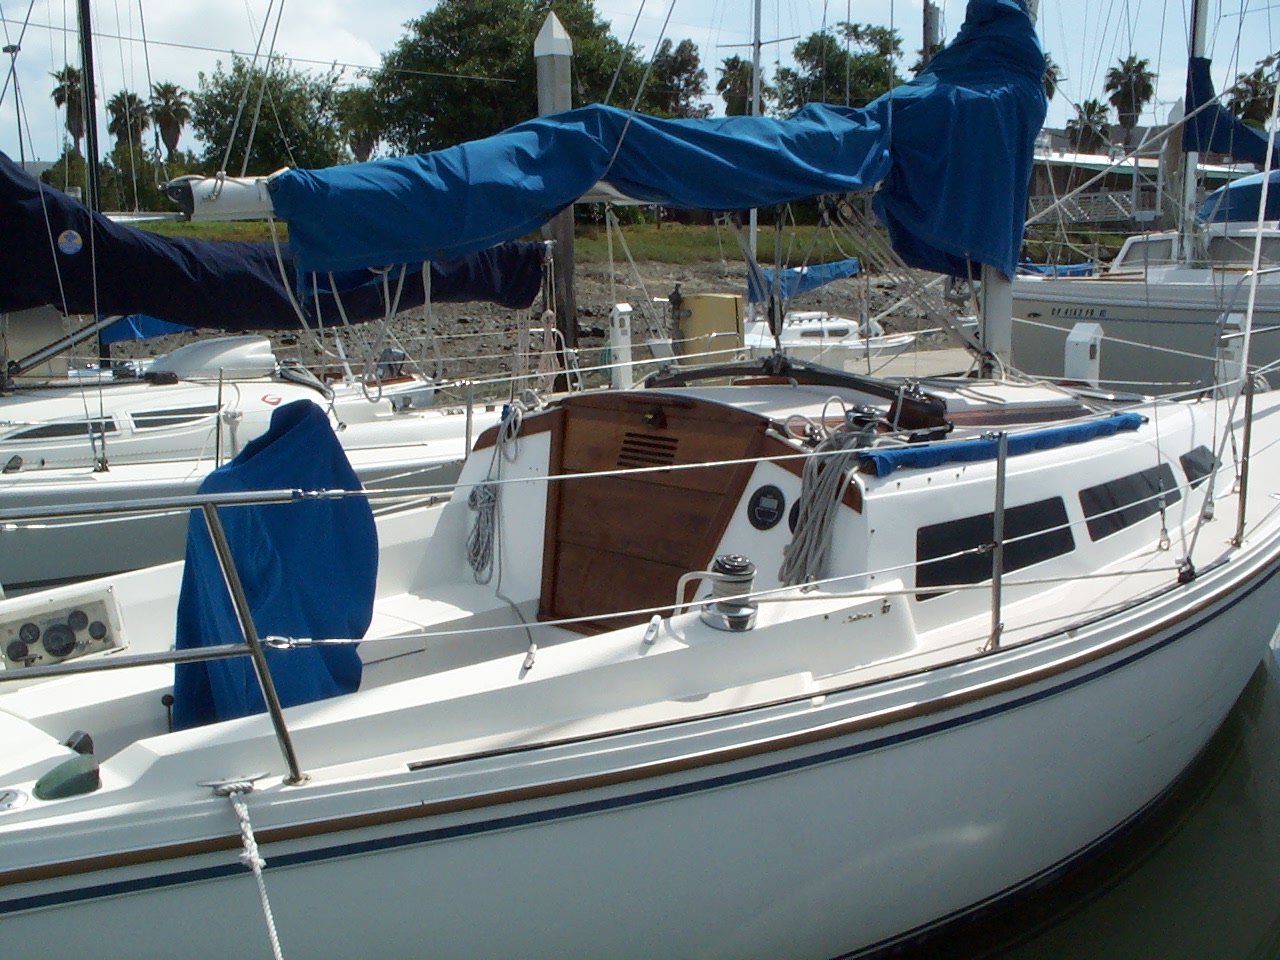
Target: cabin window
1113, 506
1198, 464
62, 431
1238, 251
1144, 253
1033, 532
154, 419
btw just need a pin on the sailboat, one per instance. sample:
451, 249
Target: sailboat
107, 435
1168, 312
763, 659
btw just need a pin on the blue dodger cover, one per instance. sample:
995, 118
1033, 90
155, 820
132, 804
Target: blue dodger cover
884, 462
952, 151
308, 570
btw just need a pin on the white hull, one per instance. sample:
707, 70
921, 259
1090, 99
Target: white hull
1163, 334
813, 337
852, 771
804, 852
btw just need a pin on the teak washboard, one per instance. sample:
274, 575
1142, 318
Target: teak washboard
620, 543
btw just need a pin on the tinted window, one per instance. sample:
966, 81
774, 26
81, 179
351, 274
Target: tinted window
1198, 464
59, 431
172, 418
1033, 532
1110, 507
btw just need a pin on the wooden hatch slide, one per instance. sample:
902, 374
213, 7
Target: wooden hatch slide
619, 543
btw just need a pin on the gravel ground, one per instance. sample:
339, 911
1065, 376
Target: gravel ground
480, 340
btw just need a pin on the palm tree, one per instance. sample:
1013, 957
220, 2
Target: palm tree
127, 118
1087, 130
734, 87
1131, 86
360, 121
69, 93
1250, 96
170, 109
1052, 76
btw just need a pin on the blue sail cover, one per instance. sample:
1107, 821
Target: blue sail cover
952, 152
1214, 129
1239, 201
799, 280
58, 253
308, 569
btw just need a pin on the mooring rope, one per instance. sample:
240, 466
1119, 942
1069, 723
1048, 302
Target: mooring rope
235, 791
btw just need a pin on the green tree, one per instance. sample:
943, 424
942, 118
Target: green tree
171, 111
854, 64
69, 93
360, 120
1131, 85
428, 90
677, 82
1250, 96
127, 118
1052, 76
298, 124
1087, 130
734, 88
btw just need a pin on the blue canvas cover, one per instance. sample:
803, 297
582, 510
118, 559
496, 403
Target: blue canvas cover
1028, 269
139, 327
798, 280
57, 252
952, 152
1238, 202
884, 462
308, 570
1214, 129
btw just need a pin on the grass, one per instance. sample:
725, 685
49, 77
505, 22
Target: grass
675, 243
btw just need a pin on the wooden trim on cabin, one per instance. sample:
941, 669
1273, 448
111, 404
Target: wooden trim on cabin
539, 422
666, 523
771, 447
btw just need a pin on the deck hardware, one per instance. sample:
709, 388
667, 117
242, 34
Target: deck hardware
651, 631
731, 608
222, 550
997, 554
528, 658
1245, 446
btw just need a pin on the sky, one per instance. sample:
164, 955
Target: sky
1084, 37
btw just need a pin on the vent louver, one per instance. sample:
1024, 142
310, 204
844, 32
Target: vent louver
647, 450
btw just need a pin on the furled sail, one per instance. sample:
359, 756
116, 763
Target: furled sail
951, 152
59, 253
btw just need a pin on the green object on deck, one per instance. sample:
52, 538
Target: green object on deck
70, 778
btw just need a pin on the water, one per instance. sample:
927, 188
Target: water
1199, 878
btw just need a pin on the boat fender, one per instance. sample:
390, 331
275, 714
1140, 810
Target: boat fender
72, 777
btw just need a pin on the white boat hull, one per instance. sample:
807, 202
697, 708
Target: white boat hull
806, 838
1159, 336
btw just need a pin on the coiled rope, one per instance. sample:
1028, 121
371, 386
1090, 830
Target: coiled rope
822, 485
483, 498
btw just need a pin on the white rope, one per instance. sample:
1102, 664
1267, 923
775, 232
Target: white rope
822, 485
249, 856
483, 498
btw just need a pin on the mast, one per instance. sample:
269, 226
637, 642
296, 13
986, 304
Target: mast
86, 37
1191, 158
755, 108
88, 108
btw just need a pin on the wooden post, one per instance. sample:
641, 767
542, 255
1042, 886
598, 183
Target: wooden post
553, 52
